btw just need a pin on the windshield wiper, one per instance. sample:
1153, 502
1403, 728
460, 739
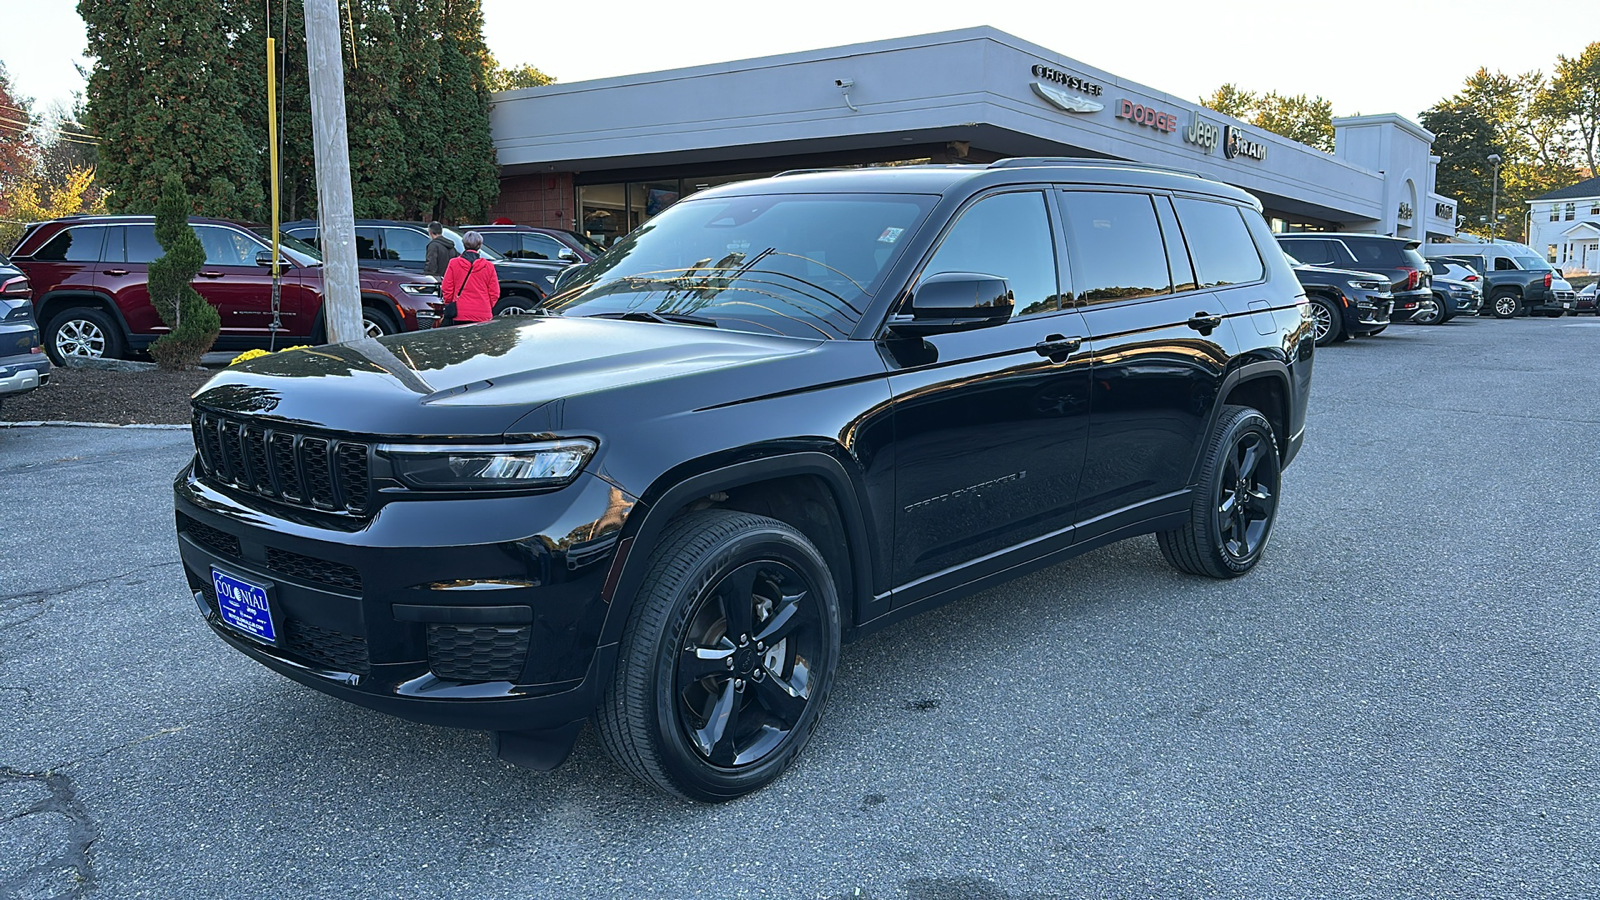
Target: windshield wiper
644, 315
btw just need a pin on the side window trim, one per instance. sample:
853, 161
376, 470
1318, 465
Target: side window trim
1061, 192
1177, 244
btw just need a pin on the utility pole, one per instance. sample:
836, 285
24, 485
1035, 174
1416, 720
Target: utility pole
1493, 196
336, 221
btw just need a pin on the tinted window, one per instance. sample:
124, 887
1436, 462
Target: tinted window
506, 242
541, 246
309, 235
1006, 235
1381, 254
1177, 252
1502, 263
73, 245
405, 244
142, 244
1220, 243
366, 243
226, 247
1116, 246
1312, 252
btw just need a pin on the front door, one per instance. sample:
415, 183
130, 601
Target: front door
990, 424
240, 289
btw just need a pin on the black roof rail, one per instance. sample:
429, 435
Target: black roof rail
1030, 162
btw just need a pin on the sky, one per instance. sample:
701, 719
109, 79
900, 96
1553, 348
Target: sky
1366, 56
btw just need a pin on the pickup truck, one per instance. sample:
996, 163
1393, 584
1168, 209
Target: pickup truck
1529, 291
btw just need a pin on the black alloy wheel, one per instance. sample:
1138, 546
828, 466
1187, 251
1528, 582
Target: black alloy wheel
1325, 316
1504, 305
1233, 511
727, 659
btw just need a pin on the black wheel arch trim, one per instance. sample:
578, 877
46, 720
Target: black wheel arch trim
55, 301
670, 494
1248, 372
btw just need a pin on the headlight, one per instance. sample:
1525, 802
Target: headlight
1370, 285
463, 467
420, 289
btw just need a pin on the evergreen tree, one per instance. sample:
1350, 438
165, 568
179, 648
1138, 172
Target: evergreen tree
378, 166
464, 66
194, 322
163, 97
418, 105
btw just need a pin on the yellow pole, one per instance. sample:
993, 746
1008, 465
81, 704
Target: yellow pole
272, 141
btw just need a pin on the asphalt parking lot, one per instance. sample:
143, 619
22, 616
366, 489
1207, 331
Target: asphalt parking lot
1402, 701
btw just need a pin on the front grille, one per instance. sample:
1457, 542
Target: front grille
477, 652
309, 568
283, 463
210, 538
325, 647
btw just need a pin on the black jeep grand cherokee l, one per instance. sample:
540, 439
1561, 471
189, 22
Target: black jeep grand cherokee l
782, 414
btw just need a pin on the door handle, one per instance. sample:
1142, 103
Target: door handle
1058, 347
1204, 322
210, 274
116, 271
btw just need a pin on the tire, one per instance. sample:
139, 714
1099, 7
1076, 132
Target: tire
1504, 305
85, 333
516, 305
1431, 311
737, 726
1236, 502
376, 322
1326, 320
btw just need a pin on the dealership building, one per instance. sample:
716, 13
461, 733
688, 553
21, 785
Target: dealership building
604, 156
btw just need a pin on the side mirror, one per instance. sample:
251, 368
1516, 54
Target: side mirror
264, 260
569, 255
955, 301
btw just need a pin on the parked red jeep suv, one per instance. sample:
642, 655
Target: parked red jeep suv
90, 277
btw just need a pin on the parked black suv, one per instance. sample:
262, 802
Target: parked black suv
788, 413
1344, 304
1396, 258
380, 243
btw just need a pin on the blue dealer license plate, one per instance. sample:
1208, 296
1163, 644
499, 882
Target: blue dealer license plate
244, 607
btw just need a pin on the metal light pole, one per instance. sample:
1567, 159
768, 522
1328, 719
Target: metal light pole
336, 221
1493, 196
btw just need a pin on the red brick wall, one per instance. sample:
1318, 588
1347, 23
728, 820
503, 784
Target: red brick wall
544, 200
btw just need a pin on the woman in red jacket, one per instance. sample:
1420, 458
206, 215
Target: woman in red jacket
470, 281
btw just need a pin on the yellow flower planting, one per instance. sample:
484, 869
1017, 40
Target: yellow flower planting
257, 354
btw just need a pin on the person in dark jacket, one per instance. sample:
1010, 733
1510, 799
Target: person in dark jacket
440, 251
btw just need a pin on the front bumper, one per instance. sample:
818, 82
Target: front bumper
458, 612
1367, 313
21, 377
1465, 304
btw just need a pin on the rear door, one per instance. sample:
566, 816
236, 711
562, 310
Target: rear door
1160, 345
69, 261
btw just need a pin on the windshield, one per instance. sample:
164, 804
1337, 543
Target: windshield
584, 241
487, 252
300, 252
803, 265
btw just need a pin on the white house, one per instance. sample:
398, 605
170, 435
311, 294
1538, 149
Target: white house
1565, 224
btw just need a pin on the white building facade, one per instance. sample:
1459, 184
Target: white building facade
1564, 225
604, 156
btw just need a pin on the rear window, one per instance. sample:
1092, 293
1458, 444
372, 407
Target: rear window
1116, 247
1219, 243
73, 245
1384, 254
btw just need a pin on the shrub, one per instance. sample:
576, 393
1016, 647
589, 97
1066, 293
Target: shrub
194, 322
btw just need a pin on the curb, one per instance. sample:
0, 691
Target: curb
92, 425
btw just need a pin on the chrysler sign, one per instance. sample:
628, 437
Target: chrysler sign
1064, 91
